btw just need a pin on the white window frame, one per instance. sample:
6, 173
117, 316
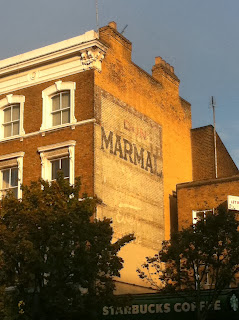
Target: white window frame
54, 152
12, 160
196, 212
9, 100
59, 159
47, 94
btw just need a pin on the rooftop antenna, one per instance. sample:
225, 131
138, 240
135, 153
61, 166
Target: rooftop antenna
213, 104
97, 15
124, 29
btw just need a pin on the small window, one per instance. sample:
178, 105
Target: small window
200, 214
11, 121
59, 156
58, 105
11, 166
60, 164
11, 116
60, 108
10, 181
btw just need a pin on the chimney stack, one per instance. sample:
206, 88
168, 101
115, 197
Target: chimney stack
164, 69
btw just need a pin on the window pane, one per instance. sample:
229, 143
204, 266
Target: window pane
56, 118
15, 112
7, 130
200, 215
7, 114
66, 116
65, 166
14, 177
54, 168
15, 129
15, 192
56, 102
5, 179
65, 100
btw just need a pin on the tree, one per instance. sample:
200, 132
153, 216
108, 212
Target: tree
203, 256
56, 260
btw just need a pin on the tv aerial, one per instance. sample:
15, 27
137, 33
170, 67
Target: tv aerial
122, 32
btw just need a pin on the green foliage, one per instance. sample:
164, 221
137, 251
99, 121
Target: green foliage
56, 261
203, 256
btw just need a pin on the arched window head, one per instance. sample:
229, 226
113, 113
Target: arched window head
11, 116
58, 105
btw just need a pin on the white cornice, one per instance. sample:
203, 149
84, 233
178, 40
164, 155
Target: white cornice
50, 52
48, 63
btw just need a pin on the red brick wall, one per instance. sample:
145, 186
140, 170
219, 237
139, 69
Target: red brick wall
84, 99
83, 134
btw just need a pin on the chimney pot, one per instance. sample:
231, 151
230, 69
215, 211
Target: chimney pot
158, 60
113, 25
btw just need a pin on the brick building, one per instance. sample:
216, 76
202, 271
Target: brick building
203, 155
83, 106
208, 190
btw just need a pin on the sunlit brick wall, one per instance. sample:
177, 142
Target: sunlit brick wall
128, 178
156, 97
203, 195
83, 135
203, 155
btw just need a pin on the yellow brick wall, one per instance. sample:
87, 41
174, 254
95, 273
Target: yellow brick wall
132, 192
158, 100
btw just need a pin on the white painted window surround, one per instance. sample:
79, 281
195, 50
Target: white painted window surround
200, 214
8, 101
57, 151
12, 161
47, 94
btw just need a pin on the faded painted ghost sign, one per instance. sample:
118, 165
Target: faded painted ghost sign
128, 151
128, 172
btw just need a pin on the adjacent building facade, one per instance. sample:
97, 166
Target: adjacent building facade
214, 178
84, 107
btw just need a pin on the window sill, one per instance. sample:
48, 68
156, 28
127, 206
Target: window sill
44, 131
19, 136
65, 125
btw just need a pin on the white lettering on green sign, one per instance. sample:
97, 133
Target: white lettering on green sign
155, 308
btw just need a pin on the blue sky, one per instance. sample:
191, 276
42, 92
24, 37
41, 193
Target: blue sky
199, 38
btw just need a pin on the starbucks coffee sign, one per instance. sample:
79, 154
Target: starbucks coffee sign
177, 306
